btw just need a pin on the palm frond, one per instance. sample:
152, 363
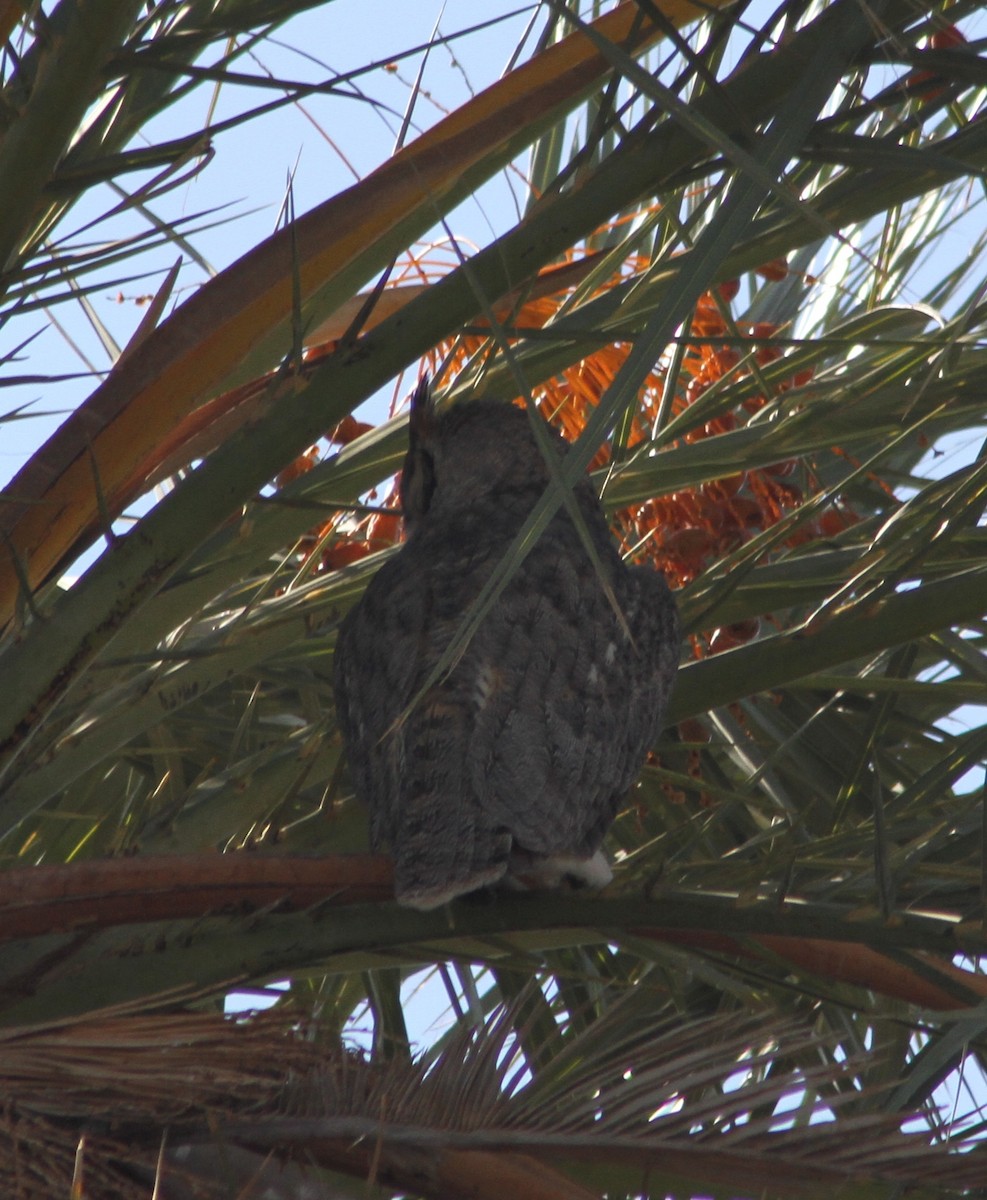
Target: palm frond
740, 276
636, 1088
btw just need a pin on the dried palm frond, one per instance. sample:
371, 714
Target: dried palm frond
641, 1092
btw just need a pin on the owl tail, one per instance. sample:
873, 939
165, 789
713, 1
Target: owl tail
437, 860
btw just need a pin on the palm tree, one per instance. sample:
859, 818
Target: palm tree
746, 277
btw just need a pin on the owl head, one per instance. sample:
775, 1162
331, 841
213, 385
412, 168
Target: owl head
475, 449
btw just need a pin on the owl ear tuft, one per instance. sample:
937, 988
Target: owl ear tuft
422, 408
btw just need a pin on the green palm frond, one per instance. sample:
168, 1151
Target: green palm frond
786, 972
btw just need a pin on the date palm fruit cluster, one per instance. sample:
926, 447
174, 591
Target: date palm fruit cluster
681, 532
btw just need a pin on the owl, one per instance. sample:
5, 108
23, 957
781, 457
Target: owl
509, 766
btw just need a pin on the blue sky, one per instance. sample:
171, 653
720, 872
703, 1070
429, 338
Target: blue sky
321, 144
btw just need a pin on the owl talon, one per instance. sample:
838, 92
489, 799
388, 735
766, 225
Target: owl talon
535, 872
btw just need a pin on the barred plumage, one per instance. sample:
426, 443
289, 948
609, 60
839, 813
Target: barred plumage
510, 767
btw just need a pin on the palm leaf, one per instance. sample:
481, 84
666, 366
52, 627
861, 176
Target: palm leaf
637, 1093
784, 974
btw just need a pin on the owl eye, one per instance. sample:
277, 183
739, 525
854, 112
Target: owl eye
417, 483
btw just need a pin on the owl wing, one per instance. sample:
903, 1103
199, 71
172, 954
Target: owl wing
568, 699
409, 752
534, 736
653, 660
374, 667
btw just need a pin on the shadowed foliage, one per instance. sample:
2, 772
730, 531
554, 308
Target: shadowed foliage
736, 254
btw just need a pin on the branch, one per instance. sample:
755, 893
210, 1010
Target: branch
124, 891
87, 897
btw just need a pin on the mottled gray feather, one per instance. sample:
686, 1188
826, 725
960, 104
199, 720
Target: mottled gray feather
513, 764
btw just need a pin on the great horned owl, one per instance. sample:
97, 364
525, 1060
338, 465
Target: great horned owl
510, 767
